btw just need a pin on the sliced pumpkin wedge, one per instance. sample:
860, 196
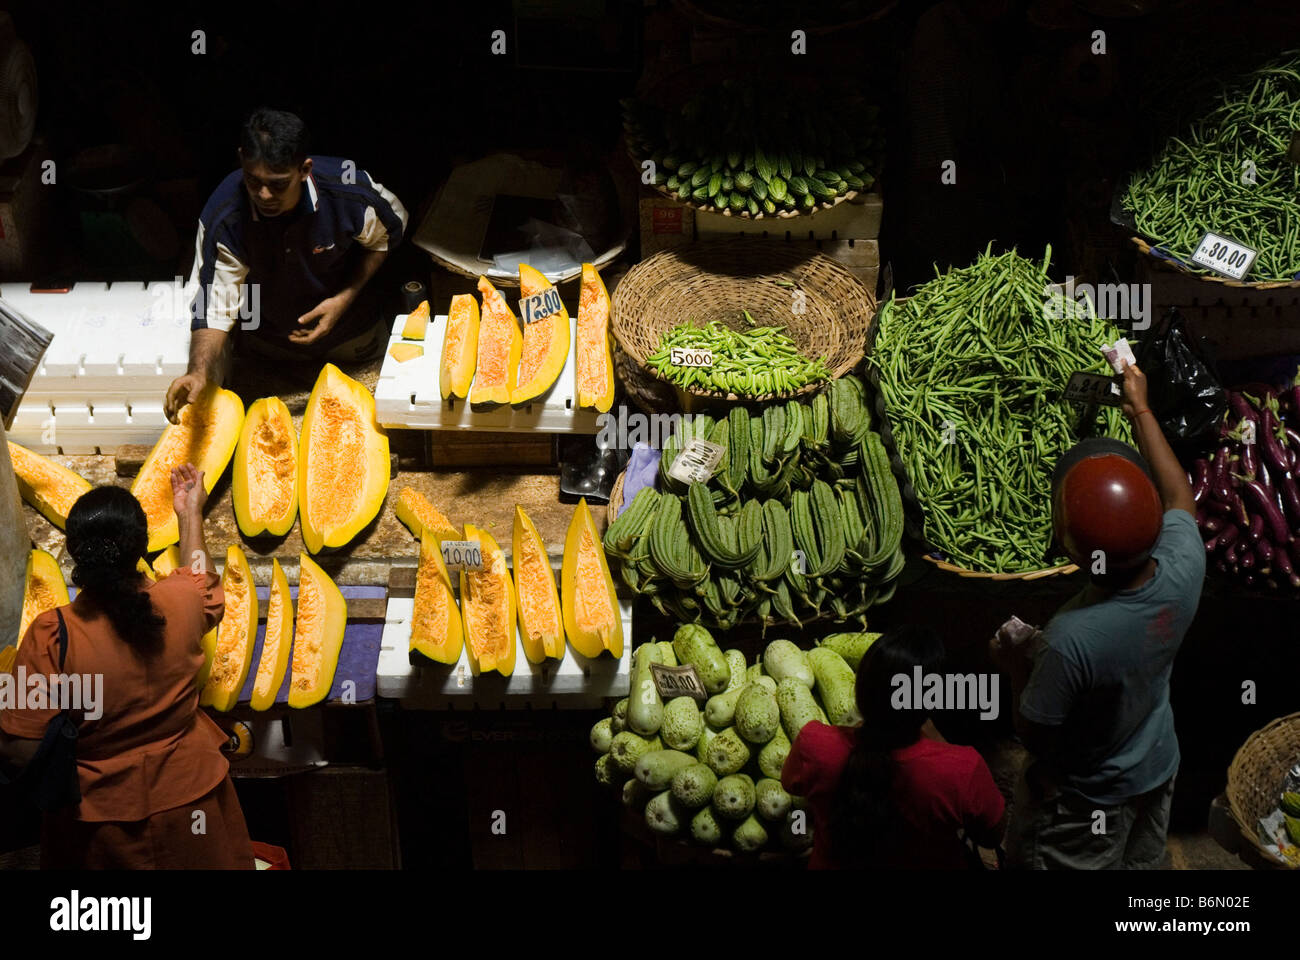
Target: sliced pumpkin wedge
276, 642
499, 346
342, 461
142, 567
459, 346
487, 600
591, 615
166, 562
546, 340
318, 635
236, 635
436, 628
43, 589
414, 509
264, 479
402, 352
594, 364
417, 322
541, 626
48, 486
206, 436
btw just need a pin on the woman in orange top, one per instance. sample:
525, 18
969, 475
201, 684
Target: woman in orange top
155, 787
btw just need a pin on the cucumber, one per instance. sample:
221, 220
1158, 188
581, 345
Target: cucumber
726, 753
645, 711
772, 757
669, 654
707, 733
618, 720
693, 786
749, 835
835, 686
602, 735
682, 724
797, 706
663, 815
635, 794
737, 666
755, 671
656, 768
771, 802
757, 716
733, 797
627, 748
606, 770
694, 645
851, 646
720, 710
783, 659
705, 828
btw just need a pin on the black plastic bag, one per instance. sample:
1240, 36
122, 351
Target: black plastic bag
1183, 389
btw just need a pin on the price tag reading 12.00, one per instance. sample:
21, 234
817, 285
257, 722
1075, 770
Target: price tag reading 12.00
690, 357
696, 463
540, 305
1228, 257
462, 554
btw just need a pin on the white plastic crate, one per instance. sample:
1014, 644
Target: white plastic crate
407, 395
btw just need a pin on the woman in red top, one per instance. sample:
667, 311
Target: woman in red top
891, 792
155, 787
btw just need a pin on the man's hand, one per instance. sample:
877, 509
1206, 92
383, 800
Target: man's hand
182, 391
1134, 390
326, 316
188, 493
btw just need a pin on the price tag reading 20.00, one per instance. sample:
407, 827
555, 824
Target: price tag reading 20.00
690, 357
462, 554
1224, 256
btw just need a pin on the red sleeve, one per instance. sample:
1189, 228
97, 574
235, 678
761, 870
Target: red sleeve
815, 760
983, 804
37, 658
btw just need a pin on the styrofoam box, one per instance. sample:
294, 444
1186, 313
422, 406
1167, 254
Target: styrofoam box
576, 682
407, 395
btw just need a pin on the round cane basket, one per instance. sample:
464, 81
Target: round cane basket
1255, 776
1168, 263
716, 280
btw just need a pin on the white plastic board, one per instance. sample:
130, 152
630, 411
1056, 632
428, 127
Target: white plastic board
407, 395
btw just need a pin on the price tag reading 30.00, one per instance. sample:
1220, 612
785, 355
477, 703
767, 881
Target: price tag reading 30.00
696, 463
540, 305
690, 357
462, 554
1224, 256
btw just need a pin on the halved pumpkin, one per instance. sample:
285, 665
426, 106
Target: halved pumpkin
206, 437
275, 642
417, 322
459, 346
401, 352
591, 615
499, 345
414, 509
318, 635
236, 635
43, 589
546, 341
48, 486
7, 657
541, 626
593, 360
166, 562
436, 628
264, 478
487, 601
342, 461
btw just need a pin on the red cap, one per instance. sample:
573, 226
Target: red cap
1107, 503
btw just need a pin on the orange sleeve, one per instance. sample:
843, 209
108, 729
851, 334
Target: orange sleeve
207, 588
38, 659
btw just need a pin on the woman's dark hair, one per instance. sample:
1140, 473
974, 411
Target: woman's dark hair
274, 137
107, 536
864, 820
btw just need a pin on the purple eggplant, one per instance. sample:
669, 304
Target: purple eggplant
1248, 560
1248, 464
1200, 479
1264, 551
1228, 536
1256, 529
1240, 406
1271, 451
1216, 506
1212, 525
1254, 493
1220, 484
1282, 563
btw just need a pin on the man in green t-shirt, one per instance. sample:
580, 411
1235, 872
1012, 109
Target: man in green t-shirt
1092, 691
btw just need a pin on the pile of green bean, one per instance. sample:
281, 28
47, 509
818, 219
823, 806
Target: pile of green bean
972, 369
1196, 182
748, 363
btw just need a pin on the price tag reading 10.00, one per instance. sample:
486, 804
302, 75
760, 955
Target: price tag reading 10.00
1228, 257
462, 554
689, 357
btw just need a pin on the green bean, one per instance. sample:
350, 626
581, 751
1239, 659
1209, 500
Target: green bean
762, 359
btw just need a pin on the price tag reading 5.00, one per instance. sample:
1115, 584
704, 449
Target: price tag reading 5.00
462, 554
540, 305
1228, 257
687, 357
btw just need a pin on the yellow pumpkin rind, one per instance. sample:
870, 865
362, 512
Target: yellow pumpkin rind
456, 373
589, 643
237, 578
504, 663
241, 480
556, 346
43, 573
279, 613
166, 562
304, 690
551, 642
445, 649
417, 322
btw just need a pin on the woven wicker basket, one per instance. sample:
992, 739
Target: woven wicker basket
1144, 248
1256, 773
615, 498
746, 215
715, 280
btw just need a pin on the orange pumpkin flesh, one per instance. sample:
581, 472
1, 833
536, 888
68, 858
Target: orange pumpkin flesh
44, 589
49, 487
593, 360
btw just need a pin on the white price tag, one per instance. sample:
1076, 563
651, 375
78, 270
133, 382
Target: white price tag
687, 357
462, 554
697, 462
540, 305
1093, 388
1224, 256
